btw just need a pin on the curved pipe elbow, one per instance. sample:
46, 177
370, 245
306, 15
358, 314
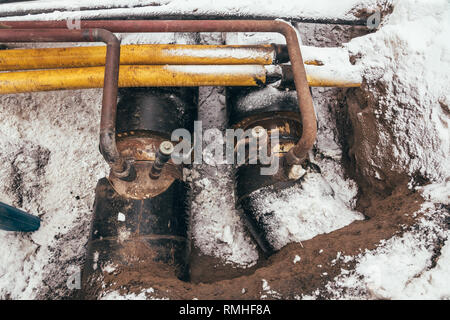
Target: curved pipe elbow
120, 168
309, 123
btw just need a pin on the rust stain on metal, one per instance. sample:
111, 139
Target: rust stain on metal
140, 148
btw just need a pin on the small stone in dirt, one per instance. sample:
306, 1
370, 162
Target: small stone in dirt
297, 258
121, 216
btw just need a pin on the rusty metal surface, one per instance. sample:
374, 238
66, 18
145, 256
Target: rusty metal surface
141, 149
142, 186
297, 154
288, 127
145, 118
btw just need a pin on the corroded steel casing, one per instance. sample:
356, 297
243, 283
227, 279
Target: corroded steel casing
136, 238
139, 228
145, 118
273, 110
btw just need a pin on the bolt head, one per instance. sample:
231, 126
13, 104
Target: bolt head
166, 147
258, 132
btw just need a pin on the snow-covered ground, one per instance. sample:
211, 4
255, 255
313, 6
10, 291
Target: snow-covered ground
320, 9
413, 266
49, 163
410, 57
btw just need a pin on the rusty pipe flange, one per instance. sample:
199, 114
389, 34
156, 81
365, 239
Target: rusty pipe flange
269, 107
146, 117
141, 148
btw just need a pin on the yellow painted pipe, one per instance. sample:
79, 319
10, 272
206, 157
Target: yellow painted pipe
315, 80
133, 76
145, 54
328, 76
162, 76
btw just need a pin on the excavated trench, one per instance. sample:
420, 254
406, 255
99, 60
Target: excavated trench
388, 205
388, 210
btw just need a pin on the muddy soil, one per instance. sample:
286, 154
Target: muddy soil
386, 217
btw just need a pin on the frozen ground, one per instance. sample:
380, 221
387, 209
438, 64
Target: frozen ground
413, 266
49, 163
407, 72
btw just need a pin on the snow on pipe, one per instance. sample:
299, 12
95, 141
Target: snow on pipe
135, 9
168, 76
156, 54
143, 54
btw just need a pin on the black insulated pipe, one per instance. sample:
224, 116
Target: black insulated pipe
263, 111
142, 236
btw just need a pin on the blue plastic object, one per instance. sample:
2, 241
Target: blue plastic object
13, 219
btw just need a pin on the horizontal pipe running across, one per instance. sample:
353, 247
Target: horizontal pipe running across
133, 76
142, 54
152, 76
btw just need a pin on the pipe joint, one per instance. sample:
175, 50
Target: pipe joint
120, 168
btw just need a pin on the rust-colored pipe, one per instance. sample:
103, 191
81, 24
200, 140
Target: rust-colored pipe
297, 153
108, 148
